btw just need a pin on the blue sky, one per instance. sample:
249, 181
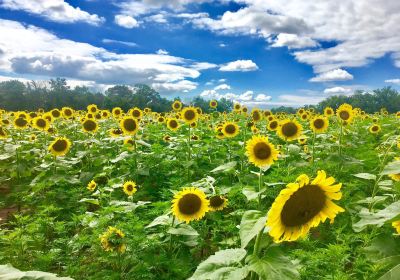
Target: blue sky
259, 53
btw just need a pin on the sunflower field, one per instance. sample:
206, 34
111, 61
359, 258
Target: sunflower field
247, 194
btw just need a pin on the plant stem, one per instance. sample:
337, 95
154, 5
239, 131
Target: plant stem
340, 139
189, 155
313, 149
260, 182
170, 239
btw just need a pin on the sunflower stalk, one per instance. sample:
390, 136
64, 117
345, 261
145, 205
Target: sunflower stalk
313, 149
340, 139
189, 155
171, 235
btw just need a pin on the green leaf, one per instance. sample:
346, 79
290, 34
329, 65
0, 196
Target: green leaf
251, 193
366, 176
274, 265
252, 223
7, 272
222, 265
227, 167
382, 248
160, 220
392, 168
90, 200
183, 229
377, 218
294, 149
392, 274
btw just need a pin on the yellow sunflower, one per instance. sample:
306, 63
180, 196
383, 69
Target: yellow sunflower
374, 129
129, 188
217, 202
60, 146
3, 133
189, 115
21, 123
41, 123
395, 177
55, 113
190, 204
260, 151
396, 225
113, 240
303, 205
256, 115
136, 113
129, 143
177, 105
319, 124
328, 111
230, 129
89, 125
237, 107
213, 104
289, 130
116, 112
67, 112
302, 140
220, 135
115, 132
166, 138
345, 113
92, 186
272, 125
32, 137
92, 108
129, 125
173, 124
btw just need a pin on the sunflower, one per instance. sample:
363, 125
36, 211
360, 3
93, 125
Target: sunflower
244, 109
166, 138
3, 133
173, 124
41, 123
116, 112
272, 125
306, 149
328, 111
267, 113
396, 225
115, 132
89, 125
374, 129
195, 137
237, 107
289, 130
220, 135
20, 123
319, 124
129, 125
105, 114
303, 205
217, 202
302, 140
189, 115
129, 188
32, 137
193, 124
230, 129
254, 129
190, 204
67, 112
113, 240
91, 186
305, 116
260, 151
213, 104
55, 113
395, 177
345, 113
375, 120
161, 119
92, 108
256, 115
129, 143
177, 105
136, 113
398, 114
60, 146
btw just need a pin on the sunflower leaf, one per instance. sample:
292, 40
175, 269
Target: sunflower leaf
7, 272
392, 168
392, 274
183, 229
227, 167
252, 223
377, 218
366, 176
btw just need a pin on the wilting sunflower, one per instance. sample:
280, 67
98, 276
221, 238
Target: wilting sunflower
177, 105
345, 113
328, 111
395, 177
113, 240
41, 123
289, 130
217, 202
190, 204
21, 123
396, 225
129, 125
230, 129
89, 125
173, 124
129, 187
272, 125
319, 124
213, 104
374, 129
92, 186
3, 133
60, 146
189, 115
303, 205
260, 151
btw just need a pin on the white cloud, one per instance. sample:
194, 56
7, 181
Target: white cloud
158, 18
183, 85
292, 41
162, 52
110, 41
246, 98
338, 90
262, 98
393, 81
126, 21
204, 65
333, 75
222, 45
222, 87
239, 65
221, 80
53, 10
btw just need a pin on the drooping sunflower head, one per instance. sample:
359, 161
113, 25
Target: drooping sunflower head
129, 125
21, 123
213, 103
129, 143
303, 205
230, 129
89, 125
260, 151
345, 113
60, 146
319, 124
3, 133
189, 115
41, 123
177, 105
289, 130
91, 186
113, 240
129, 188
190, 204
374, 129
328, 111
217, 202
173, 124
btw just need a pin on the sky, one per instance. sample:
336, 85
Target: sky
255, 52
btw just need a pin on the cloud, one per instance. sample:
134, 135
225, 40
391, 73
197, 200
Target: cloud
53, 10
162, 52
126, 21
262, 98
158, 18
292, 41
338, 90
246, 98
183, 85
239, 65
393, 81
333, 75
204, 65
222, 87
110, 41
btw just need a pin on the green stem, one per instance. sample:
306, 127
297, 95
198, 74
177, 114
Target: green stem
260, 182
340, 139
170, 239
189, 154
313, 149
135, 158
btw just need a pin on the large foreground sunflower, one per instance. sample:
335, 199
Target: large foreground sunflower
260, 151
190, 204
129, 125
60, 146
113, 240
303, 205
289, 130
230, 129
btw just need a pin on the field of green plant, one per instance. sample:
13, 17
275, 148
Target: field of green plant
245, 194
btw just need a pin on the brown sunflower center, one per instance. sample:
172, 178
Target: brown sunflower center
189, 115
273, 124
319, 123
213, 104
173, 124
89, 125
216, 201
344, 115
136, 113
41, 123
130, 125
329, 112
129, 188
60, 145
2, 132
177, 105
55, 113
262, 150
303, 205
375, 128
117, 131
189, 204
21, 122
289, 129
256, 116
230, 129
68, 112
93, 109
